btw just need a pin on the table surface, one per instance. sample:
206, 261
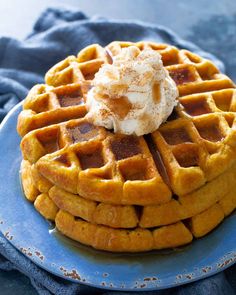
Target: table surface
209, 24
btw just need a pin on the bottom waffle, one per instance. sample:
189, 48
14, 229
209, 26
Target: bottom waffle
121, 240
122, 228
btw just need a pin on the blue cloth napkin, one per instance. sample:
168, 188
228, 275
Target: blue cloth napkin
57, 34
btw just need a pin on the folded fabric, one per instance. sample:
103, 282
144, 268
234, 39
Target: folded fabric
57, 34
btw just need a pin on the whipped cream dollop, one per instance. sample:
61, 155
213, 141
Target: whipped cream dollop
134, 94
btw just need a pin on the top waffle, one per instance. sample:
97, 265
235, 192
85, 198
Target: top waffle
196, 144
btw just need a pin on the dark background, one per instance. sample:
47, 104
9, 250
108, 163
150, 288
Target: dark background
209, 24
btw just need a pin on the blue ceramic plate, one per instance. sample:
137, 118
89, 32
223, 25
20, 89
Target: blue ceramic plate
34, 236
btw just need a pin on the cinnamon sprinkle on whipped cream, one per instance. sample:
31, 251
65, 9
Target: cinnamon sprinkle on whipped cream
134, 94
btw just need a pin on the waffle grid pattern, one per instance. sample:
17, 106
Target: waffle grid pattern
127, 193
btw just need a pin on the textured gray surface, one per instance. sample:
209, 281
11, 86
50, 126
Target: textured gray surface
210, 24
13, 282
17, 16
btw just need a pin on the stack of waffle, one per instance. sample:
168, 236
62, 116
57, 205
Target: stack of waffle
127, 193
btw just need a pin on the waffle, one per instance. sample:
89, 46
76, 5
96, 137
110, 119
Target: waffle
124, 228
127, 193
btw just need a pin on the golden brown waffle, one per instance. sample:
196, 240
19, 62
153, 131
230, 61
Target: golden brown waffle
123, 228
95, 183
